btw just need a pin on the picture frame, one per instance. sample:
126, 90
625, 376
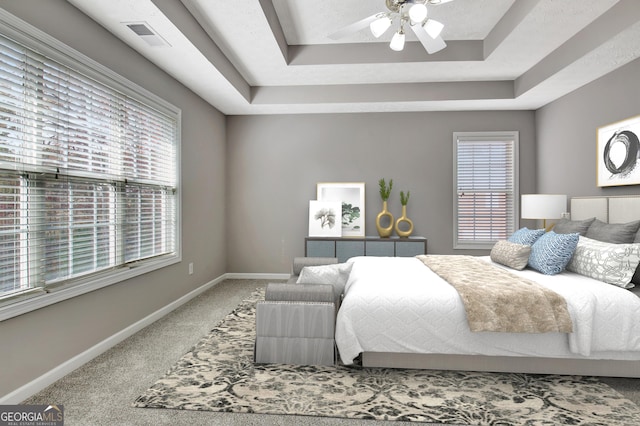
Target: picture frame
351, 196
324, 218
618, 148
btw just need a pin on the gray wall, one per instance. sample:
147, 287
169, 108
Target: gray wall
566, 132
274, 163
34, 343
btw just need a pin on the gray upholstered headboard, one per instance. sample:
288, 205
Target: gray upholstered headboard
618, 209
615, 209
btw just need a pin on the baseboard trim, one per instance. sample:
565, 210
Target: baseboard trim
255, 276
36, 385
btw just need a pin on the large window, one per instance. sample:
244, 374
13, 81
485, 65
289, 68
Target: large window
486, 188
88, 172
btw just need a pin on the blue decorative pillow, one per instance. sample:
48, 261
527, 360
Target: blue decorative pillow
552, 252
526, 236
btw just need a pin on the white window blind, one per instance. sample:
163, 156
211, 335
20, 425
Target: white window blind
88, 173
486, 188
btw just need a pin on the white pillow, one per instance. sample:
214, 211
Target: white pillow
612, 263
335, 274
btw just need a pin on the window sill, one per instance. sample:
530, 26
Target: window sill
44, 299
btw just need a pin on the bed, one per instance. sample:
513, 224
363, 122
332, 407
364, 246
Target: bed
397, 312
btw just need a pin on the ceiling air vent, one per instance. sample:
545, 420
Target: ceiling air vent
148, 34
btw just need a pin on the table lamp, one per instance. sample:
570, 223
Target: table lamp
543, 206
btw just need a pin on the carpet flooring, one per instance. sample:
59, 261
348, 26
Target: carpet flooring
101, 392
218, 374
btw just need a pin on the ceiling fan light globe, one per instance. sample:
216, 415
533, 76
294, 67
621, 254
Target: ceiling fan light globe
418, 13
379, 26
433, 28
397, 42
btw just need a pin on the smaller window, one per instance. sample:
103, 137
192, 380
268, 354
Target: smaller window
485, 188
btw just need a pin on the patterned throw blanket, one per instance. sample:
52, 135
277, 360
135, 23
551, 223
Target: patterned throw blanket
497, 300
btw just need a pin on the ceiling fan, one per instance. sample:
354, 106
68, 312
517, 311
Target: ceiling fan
412, 13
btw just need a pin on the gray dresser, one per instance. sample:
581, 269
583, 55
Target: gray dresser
344, 248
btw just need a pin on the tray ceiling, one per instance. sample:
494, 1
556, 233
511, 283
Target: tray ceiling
274, 56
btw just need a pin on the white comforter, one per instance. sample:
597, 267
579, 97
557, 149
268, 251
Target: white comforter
396, 304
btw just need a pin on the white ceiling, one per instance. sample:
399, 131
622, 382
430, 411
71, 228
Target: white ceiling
274, 56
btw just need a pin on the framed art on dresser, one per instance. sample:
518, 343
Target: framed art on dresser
351, 196
324, 219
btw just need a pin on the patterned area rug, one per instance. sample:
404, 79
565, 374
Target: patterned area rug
218, 374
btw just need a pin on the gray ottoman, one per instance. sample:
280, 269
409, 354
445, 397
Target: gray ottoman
295, 324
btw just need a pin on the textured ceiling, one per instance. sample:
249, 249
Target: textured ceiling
301, 23
274, 56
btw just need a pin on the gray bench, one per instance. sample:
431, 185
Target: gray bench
295, 324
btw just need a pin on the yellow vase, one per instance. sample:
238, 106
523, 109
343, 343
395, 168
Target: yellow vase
404, 219
383, 231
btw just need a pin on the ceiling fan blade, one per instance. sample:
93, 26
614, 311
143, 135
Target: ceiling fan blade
355, 27
437, 2
431, 45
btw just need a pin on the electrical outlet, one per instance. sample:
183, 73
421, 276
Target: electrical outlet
191, 268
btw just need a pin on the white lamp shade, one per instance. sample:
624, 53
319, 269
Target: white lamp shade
433, 28
543, 206
379, 26
397, 42
418, 12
